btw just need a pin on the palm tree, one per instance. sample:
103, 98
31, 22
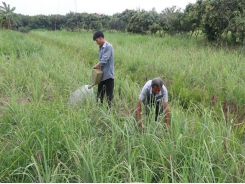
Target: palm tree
1, 21
7, 14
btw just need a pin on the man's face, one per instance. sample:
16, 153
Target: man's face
156, 89
100, 41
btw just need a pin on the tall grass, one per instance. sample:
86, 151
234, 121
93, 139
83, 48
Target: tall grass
44, 139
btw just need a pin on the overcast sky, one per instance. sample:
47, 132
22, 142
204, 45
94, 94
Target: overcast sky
108, 7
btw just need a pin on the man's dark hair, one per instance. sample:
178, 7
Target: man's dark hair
156, 82
98, 34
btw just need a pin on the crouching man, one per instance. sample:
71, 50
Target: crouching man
154, 94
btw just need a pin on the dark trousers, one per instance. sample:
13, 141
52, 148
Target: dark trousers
151, 102
106, 87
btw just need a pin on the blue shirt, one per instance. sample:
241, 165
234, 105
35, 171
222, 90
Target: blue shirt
106, 60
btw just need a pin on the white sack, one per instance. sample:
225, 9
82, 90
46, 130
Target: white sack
82, 94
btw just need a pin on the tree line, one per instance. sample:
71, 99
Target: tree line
217, 20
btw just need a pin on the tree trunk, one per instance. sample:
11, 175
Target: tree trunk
8, 24
196, 33
160, 33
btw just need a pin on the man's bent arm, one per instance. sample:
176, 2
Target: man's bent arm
167, 113
139, 110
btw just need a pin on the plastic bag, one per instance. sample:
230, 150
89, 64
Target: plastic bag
81, 95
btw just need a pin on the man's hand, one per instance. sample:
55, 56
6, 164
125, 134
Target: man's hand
96, 66
141, 126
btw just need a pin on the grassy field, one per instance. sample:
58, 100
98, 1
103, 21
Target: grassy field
45, 139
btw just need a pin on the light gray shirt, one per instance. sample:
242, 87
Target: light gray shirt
106, 60
147, 90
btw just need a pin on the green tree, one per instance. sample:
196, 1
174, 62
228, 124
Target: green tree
142, 22
237, 23
237, 29
137, 24
39, 22
221, 17
105, 21
72, 21
8, 15
126, 15
154, 28
192, 17
1, 21
170, 20
116, 23
57, 22
92, 22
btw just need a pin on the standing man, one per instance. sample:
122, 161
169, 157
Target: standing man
154, 93
106, 64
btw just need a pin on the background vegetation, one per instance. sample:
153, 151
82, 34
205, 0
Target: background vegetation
45, 139
219, 21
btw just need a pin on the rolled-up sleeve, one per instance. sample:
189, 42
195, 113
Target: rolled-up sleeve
144, 91
165, 99
142, 95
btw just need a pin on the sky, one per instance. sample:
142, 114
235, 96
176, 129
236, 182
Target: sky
107, 7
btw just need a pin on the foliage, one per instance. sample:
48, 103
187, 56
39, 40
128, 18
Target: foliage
154, 28
24, 29
192, 17
7, 15
126, 15
222, 16
237, 28
220, 21
171, 20
39, 22
142, 21
117, 24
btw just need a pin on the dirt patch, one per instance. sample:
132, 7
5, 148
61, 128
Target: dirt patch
231, 109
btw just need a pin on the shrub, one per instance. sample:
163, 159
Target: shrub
24, 29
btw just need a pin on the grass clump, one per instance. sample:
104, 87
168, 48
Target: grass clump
44, 139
